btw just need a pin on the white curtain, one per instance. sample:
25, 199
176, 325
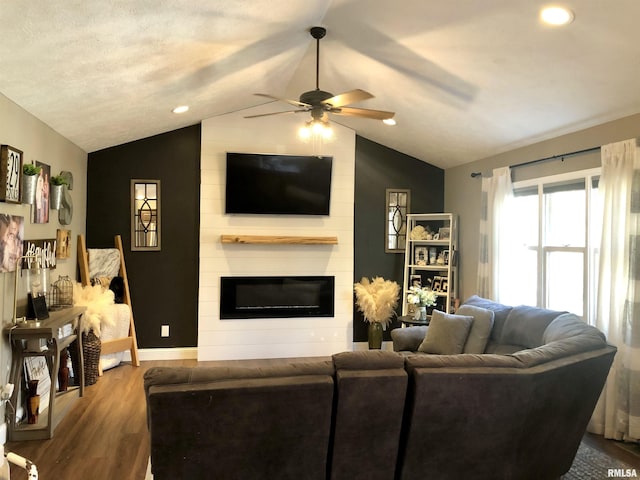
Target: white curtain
497, 193
617, 414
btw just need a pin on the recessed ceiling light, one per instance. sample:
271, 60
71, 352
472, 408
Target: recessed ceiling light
181, 109
556, 15
389, 121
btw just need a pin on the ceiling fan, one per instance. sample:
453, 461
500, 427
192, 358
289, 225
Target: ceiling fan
320, 103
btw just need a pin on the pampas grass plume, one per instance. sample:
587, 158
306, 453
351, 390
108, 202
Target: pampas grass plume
377, 299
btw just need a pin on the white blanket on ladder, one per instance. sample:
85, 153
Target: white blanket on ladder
121, 313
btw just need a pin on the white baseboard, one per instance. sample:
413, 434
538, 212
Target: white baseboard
178, 353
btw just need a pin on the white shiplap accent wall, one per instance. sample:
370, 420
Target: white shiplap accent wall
273, 338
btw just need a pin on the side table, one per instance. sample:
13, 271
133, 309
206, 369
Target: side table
409, 321
53, 334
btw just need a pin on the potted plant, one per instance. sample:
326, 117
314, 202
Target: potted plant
30, 174
57, 188
377, 299
421, 297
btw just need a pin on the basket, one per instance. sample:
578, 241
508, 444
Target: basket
91, 348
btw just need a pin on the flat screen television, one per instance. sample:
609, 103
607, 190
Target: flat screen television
278, 184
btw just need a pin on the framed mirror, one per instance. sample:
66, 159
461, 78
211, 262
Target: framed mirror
397, 207
145, 215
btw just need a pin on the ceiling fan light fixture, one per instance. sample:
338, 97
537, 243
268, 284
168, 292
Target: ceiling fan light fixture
389, 121
556, 15
317, 129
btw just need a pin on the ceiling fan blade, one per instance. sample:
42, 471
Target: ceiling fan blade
274, 113
363, 112
348, 98
295, 103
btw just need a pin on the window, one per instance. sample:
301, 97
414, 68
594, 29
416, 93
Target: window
553, 246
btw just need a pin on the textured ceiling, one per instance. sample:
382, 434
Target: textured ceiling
467, 79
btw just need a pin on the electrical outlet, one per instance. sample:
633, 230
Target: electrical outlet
164, 331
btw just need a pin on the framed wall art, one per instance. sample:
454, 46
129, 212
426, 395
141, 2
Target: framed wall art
11, 241
10, 174
40, 209
63, 247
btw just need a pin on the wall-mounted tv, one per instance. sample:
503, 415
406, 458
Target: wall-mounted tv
278, 184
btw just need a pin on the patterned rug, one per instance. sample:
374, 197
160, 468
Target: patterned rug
592, 464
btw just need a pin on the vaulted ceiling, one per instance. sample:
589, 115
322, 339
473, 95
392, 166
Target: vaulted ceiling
467, 79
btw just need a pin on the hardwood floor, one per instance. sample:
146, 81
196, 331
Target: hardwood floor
105, 437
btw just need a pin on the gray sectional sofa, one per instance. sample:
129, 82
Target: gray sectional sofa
517, 410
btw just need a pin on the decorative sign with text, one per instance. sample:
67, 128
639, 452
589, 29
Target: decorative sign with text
43, 250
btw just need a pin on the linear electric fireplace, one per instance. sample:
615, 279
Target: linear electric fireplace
276, 297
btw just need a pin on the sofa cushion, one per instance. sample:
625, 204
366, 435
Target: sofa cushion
525, 326
568, 325
408, 339
181, 375
560, 349
368, 360
501, 348
446, 334
500, 313
480, 328
466, 360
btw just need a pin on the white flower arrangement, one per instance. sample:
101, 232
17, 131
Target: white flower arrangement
377, 299
422, 296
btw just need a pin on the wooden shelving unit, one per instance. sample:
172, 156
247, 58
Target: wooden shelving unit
421, 258
278, 240
56, 338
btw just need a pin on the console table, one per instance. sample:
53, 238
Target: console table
52, 336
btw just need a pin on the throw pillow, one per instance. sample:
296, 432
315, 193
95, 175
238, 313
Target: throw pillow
480, 328
446, 334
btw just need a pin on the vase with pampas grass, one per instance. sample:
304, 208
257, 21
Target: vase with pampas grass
377, 299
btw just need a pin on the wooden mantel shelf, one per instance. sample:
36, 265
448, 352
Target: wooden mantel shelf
279, 239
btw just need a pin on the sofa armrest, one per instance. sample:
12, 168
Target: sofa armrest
408, 339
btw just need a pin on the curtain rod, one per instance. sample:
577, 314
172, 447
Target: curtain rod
546, 159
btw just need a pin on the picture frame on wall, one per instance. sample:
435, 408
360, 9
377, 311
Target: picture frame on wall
11, 236
63, 245
40, 209
10, 174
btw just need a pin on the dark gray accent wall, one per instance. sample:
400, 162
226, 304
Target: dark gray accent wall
378, 168
164, 284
